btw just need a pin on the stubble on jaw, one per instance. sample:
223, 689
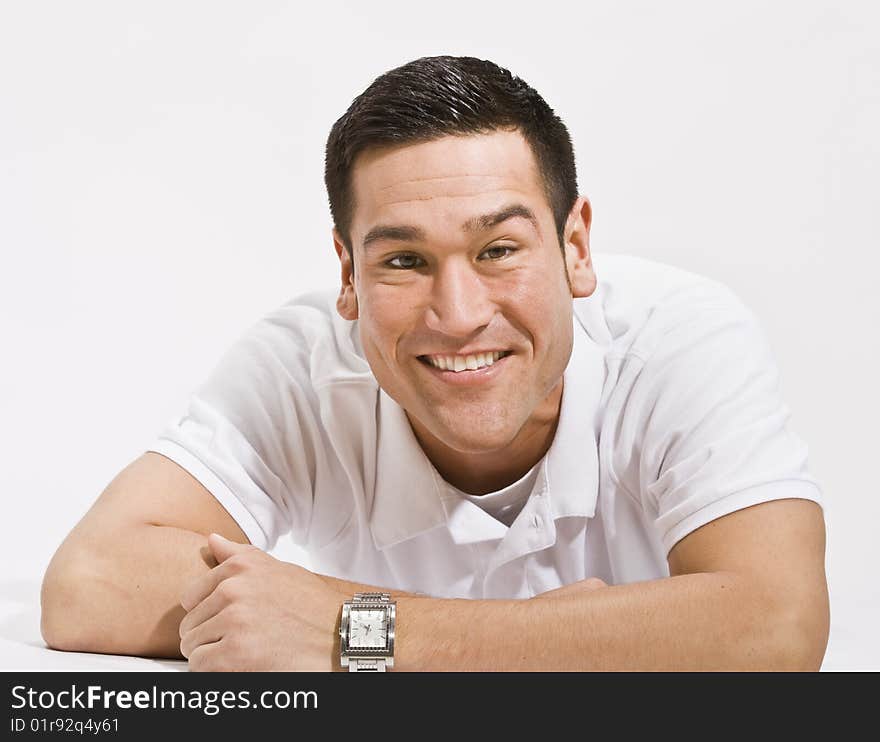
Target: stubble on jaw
480, 470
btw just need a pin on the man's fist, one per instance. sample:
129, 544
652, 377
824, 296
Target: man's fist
254, 612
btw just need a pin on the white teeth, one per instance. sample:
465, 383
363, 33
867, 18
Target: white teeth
461, 363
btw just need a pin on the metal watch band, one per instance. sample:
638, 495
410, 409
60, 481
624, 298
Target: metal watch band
371, 597
360, 664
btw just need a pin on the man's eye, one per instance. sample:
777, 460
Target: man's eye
407, 262
495, 254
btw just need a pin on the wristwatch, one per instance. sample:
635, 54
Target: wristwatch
366, 633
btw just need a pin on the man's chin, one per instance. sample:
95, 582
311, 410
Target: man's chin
474, 440
466, 428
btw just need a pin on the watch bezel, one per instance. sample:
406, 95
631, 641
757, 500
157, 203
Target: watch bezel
347, 651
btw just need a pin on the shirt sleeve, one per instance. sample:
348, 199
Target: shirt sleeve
246, 435
714, 428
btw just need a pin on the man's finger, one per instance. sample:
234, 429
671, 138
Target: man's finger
202, 611
223, 548
201, 587
206, 657
205, 633
197, 590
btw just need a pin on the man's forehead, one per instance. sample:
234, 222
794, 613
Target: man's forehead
500, 164
443, 154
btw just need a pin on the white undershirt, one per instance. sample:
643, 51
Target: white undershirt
505, 504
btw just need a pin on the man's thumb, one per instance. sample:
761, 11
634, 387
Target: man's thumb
223, 548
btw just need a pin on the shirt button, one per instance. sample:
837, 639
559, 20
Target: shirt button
536, 521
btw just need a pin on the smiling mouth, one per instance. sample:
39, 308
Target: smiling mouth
457, 364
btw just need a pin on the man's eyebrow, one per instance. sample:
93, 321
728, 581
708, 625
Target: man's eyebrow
409, 233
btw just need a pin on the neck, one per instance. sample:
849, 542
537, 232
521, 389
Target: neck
483, 472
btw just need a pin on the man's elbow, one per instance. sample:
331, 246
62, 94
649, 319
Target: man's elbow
58, 594
65, 623
802, 638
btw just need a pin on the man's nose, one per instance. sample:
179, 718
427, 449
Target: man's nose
460, 301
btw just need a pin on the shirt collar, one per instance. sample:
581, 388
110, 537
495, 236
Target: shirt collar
570, 470
406, 496
408, 492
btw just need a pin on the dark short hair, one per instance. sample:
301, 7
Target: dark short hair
432, 97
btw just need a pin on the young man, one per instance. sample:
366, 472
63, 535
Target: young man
497, 456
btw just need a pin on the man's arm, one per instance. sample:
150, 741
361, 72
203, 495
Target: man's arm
119, 595
113, 586
747, 592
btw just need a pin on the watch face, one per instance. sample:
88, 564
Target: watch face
367, 628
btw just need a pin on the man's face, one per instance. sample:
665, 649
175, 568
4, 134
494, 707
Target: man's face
434, 283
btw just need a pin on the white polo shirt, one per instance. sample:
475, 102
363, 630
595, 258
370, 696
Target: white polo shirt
670, 418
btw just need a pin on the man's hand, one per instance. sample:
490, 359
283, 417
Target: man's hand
256, 613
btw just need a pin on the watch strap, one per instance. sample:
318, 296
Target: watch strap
372, 597
361, 664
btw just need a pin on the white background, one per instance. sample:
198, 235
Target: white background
161, 188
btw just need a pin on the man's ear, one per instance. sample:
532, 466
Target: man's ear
346, 303
578, 263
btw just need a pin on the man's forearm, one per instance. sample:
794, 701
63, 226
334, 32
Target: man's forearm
707, 621
123, 597
127, 603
